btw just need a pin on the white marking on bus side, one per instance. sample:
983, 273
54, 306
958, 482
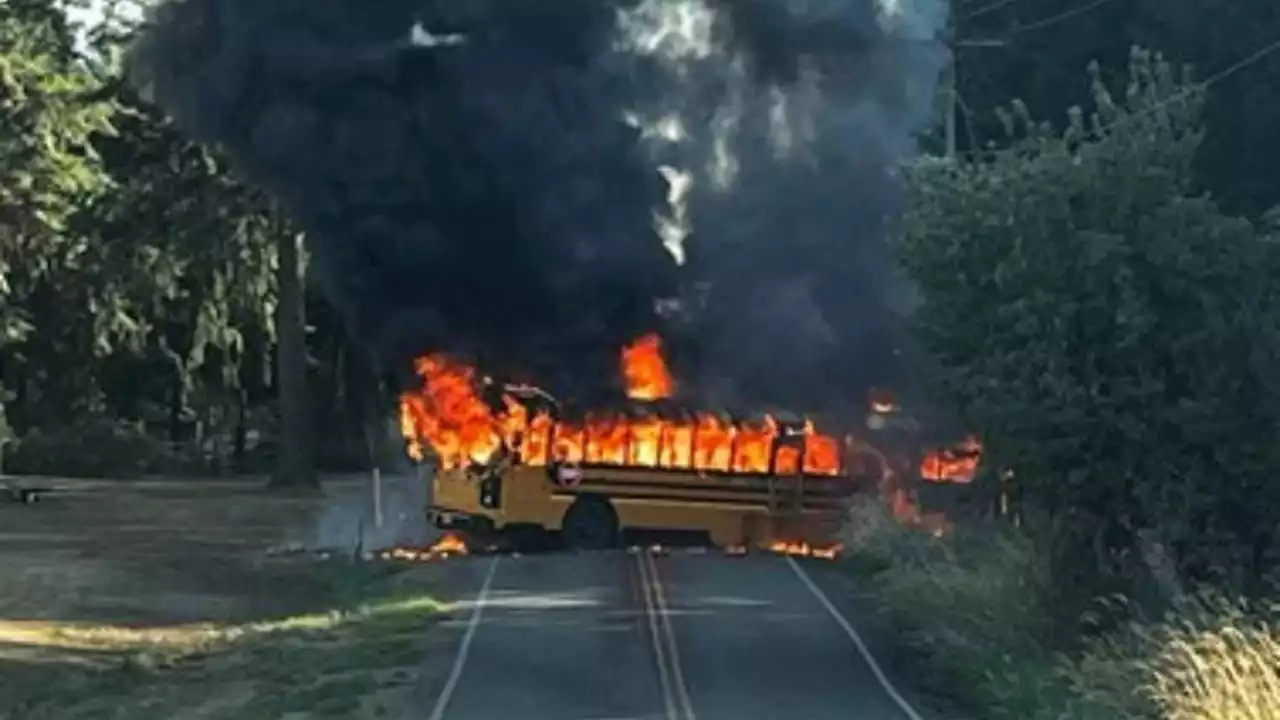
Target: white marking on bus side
651, 614
665, 613
464, 649
853, 635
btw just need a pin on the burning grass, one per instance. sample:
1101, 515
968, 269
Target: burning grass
970, 614
158, 601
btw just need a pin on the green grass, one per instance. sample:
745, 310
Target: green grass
968, 614
351, 657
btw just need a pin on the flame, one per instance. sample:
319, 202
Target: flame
448, 545
449, 414
952, 465
804, 549
645, 369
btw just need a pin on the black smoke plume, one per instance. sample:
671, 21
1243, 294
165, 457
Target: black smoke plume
518, 182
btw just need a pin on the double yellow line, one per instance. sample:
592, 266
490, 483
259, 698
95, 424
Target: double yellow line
675, 693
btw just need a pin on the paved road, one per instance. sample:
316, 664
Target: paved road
634, 636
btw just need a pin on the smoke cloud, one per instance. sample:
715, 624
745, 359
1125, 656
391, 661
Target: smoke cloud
517, 182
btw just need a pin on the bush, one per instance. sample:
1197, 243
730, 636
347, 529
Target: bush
91, 447
1079, 299
1208, 659
966, 610
971, 612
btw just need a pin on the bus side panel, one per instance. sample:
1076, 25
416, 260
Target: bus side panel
725, 525
453, 490
527, 500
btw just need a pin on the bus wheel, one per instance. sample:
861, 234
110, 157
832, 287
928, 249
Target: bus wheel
590, 524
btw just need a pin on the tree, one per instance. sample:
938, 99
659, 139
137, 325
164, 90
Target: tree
48, 170
296, 467
1043, 43
1110, 334
137, 273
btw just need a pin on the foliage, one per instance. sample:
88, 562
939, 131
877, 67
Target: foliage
968, 611
1209, 659
1112, 337
47, 166
89, 447
1109, 333
1042, 44
137, 272
972, 609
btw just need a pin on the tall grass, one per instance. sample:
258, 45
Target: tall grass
1210, 658
970, 610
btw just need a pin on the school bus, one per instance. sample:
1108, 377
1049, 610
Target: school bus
764, 482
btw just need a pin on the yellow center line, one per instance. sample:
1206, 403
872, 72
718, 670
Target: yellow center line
651, 614
664, 615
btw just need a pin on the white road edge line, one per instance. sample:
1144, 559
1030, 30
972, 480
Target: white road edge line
677, 672
853, 635
464, 649
651, 613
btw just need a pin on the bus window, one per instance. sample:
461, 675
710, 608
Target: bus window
712, 445
536, 447
645, 442
568, 444
821, 455
676, 451
606, 441
751, 449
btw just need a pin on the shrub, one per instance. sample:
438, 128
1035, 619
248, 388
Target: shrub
966, 609
971, 612
90, 447
1208, 659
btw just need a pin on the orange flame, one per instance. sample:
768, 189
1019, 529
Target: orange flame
448, 413
645, 370
804, 549
448, 545
952, 465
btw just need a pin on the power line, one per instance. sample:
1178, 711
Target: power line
988, 8
1244, 63
1055, 19
1256, 57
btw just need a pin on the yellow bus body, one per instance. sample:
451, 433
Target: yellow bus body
734, 510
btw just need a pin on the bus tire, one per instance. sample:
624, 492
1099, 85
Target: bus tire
591, 523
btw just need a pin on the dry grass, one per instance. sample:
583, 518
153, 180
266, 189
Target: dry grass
1217, 666
148, 600
970, 612
1210, 659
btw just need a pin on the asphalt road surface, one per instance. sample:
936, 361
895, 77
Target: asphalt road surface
639, 636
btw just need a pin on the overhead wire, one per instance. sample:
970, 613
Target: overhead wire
1055, 19
1242, 64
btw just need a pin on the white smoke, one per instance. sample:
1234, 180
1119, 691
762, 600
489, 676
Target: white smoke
354, 520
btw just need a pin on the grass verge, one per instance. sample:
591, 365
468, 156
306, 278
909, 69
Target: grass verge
969, 615
355, 655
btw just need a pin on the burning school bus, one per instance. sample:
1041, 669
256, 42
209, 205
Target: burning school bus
766, 481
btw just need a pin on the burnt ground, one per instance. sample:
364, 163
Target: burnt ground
163, 599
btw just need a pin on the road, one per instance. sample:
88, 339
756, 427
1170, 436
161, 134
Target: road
639, 636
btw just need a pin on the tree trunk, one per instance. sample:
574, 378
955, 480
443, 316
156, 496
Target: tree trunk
240, 450
295, 464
